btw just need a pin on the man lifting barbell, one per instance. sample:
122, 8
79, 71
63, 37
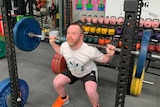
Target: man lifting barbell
80, 64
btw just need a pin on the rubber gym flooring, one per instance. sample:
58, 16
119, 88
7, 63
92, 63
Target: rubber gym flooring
35, 68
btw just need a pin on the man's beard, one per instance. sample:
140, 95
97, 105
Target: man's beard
71, 42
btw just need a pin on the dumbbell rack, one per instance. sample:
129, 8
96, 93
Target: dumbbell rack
6, 8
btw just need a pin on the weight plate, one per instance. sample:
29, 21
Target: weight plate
58, 63
20, 33
5, 92
53, 62
61, 64
143, 53
136, 83
2, 49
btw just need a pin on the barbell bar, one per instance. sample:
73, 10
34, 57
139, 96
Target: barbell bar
119, 50
43, 36
35, 35
27, 36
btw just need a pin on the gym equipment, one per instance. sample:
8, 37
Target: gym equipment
87, 28
137, 78
90, 39
138, 73
138, 45
21, 30
141, 22
92, 29
98, 30
157, 48
143, 53
140, 32
106, 20
95, 39
58, 63
89, 19
2, 49
83, 18
95, 19
104, 30
107, 40
113, 20
53, 62
101, 40
118, 30
151, 47
136, 83
120, 20
27, 37
101, 20
5, 93
85, 39
157, 35
148, 23
53, 9
19, 17
111, 31
155, 23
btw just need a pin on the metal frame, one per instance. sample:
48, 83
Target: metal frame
6, 8
132, 10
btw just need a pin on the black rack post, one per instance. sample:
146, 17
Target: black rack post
6, 8
130, 28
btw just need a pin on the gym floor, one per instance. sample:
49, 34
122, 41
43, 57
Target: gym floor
35, 68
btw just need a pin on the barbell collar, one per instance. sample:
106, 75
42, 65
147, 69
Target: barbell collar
119, 50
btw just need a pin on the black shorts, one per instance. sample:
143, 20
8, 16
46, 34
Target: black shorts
89, 77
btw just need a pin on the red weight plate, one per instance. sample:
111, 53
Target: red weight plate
53, 62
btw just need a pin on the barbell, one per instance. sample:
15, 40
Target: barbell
27, 36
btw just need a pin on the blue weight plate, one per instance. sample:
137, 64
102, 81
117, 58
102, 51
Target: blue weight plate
3, 82
20, 33
2, 49
5, 93
143, 52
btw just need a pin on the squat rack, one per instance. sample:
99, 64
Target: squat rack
132, 10
8, 24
